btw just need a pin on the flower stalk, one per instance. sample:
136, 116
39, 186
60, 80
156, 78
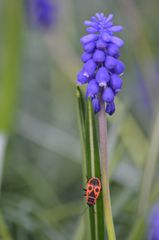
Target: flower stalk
105, 173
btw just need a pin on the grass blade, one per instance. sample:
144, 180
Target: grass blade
9, 70
93, 169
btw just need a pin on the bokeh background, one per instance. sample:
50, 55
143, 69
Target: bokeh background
40, 150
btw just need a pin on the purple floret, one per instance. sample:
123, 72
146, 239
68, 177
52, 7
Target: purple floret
41, 12
153, 224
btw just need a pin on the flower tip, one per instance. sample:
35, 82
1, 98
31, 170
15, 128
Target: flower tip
110, 17
96, 105
102, 84
110, 108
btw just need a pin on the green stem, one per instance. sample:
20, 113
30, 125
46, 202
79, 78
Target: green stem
105, 174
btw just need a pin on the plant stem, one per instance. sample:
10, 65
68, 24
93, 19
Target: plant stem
105, 173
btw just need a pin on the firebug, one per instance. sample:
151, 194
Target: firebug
92, 190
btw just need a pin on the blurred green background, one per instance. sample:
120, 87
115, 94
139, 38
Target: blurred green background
40, 151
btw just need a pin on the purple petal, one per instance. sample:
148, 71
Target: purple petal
81, 79
88, 38
108, 95
110, 108
85, 57
118, 41
116, 82
110, 62
87, 23
91, 24
110, 16
91, 30
92, 89
89, 68
99, 56
113, 49
94, 19
106, 37
120, 67
89, 47
102, 76
101, 44
98, 15
96, 104
116, 28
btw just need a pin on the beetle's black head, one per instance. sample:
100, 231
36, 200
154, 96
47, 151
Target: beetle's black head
94, 182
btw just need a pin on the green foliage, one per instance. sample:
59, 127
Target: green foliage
91, 162
11, 42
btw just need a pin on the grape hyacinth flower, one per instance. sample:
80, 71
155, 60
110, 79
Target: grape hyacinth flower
153, 228
102, 68
41, 13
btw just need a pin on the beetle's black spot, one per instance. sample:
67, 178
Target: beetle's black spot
92, 194
97, 189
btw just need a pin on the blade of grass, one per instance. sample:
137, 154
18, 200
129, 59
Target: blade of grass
91, 163
147, 183
81, 111
138, 229
4, 232
81, 118
150, 169
93, 169
9, 71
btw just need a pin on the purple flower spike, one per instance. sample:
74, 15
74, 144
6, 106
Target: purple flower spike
102, 68
110, 108
96, 105
108, 95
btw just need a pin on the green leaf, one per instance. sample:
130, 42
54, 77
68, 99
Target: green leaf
11, 38
4, 232
91, 162
93, 170
138, 229
81, 111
